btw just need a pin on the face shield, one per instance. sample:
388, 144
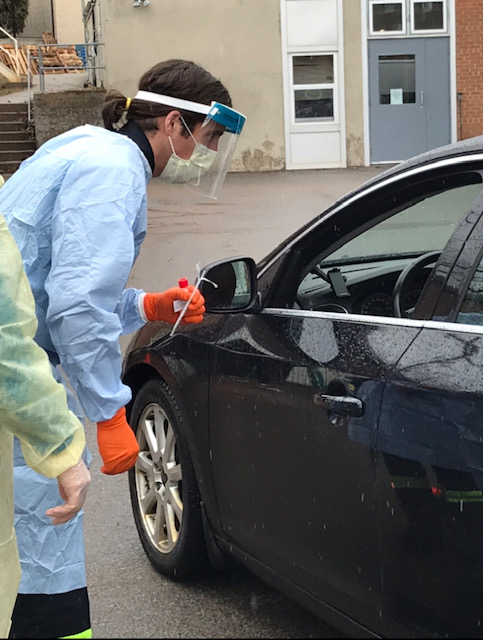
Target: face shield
204, 172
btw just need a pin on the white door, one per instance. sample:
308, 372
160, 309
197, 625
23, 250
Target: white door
313, 83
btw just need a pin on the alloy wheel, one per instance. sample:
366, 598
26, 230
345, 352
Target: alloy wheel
158, 478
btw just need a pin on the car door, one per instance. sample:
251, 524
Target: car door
296, 390
295, 486
431, 440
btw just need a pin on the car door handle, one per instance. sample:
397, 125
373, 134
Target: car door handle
340, 404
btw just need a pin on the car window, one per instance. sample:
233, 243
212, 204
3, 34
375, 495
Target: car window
424, 226
471, 311
360, 274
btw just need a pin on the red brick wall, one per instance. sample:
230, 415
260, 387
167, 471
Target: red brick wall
469, 67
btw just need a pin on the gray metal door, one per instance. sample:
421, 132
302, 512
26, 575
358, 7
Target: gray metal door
409, 97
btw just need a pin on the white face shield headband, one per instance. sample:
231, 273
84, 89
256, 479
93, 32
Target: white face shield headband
206, 169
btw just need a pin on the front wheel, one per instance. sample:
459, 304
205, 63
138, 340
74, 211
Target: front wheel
164, 493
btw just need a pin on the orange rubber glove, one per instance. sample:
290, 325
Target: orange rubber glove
159, 306
117, 444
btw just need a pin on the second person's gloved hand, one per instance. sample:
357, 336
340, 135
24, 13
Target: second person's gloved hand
117, 444
159, 306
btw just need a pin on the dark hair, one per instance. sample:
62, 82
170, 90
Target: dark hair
175, 78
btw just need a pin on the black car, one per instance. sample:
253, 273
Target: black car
323, 425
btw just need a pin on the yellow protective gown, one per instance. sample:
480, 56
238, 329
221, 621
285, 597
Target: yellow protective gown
33, 407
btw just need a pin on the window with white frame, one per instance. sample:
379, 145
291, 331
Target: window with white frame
313, 81
387, 17
407, 17
429, 17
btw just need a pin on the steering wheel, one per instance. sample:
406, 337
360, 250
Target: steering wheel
406, 278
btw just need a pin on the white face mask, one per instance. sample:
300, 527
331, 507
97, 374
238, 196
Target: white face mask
179, 170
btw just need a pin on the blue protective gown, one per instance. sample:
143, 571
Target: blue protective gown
78, 211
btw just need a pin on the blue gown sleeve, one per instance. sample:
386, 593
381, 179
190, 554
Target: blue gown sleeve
95, 234
128, 310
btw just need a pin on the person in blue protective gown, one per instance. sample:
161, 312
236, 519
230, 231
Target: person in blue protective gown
78, 211
33, 407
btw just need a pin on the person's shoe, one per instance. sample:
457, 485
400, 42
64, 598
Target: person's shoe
136, 3
145, 3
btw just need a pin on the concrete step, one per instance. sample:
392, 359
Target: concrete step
15, 146
10, 160
12, 116
7, 167
14, 107
19, 134
17, 141
13, 126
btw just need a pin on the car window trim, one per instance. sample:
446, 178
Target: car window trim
359, 319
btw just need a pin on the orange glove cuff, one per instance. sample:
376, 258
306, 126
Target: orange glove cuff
117, 444
117, 420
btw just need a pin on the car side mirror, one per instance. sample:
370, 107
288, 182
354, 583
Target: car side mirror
229, 285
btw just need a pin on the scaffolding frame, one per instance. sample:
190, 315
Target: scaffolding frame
91, 17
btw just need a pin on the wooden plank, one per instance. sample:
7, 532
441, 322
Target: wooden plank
69, 58
34, 67
22, 63
48, 37
50, 58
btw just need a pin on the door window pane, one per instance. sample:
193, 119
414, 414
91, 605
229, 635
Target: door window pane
314, 103
313, 87
428, 16
387, 16
397, 79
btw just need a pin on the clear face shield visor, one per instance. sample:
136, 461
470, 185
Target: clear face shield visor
216, 140
218, 137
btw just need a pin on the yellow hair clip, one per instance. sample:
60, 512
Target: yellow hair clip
128, 104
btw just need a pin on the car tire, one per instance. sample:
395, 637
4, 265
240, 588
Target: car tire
164, 492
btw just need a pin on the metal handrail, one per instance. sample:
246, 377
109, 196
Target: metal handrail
15, 43
42, 68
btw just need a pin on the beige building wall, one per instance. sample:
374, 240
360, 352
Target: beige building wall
69, 28
238, 41
353, 83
